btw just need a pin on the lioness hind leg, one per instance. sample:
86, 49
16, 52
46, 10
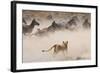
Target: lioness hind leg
55, 51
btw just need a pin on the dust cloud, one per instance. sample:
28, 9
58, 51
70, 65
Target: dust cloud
79, 46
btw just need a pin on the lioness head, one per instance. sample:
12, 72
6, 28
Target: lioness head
65, 43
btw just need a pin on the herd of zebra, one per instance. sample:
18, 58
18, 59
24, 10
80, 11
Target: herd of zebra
29, 28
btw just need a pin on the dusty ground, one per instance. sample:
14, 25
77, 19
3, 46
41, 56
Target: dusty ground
79, 46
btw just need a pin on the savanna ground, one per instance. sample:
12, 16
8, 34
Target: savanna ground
79, 46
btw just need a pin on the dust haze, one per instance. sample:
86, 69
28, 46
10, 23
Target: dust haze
79, 38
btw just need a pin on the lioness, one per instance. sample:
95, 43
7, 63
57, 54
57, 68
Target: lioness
58, 47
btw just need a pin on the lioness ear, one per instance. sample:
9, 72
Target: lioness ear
63, 41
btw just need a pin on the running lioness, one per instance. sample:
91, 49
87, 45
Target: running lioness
58, 47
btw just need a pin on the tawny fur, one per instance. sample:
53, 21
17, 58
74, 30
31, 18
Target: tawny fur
58, 47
